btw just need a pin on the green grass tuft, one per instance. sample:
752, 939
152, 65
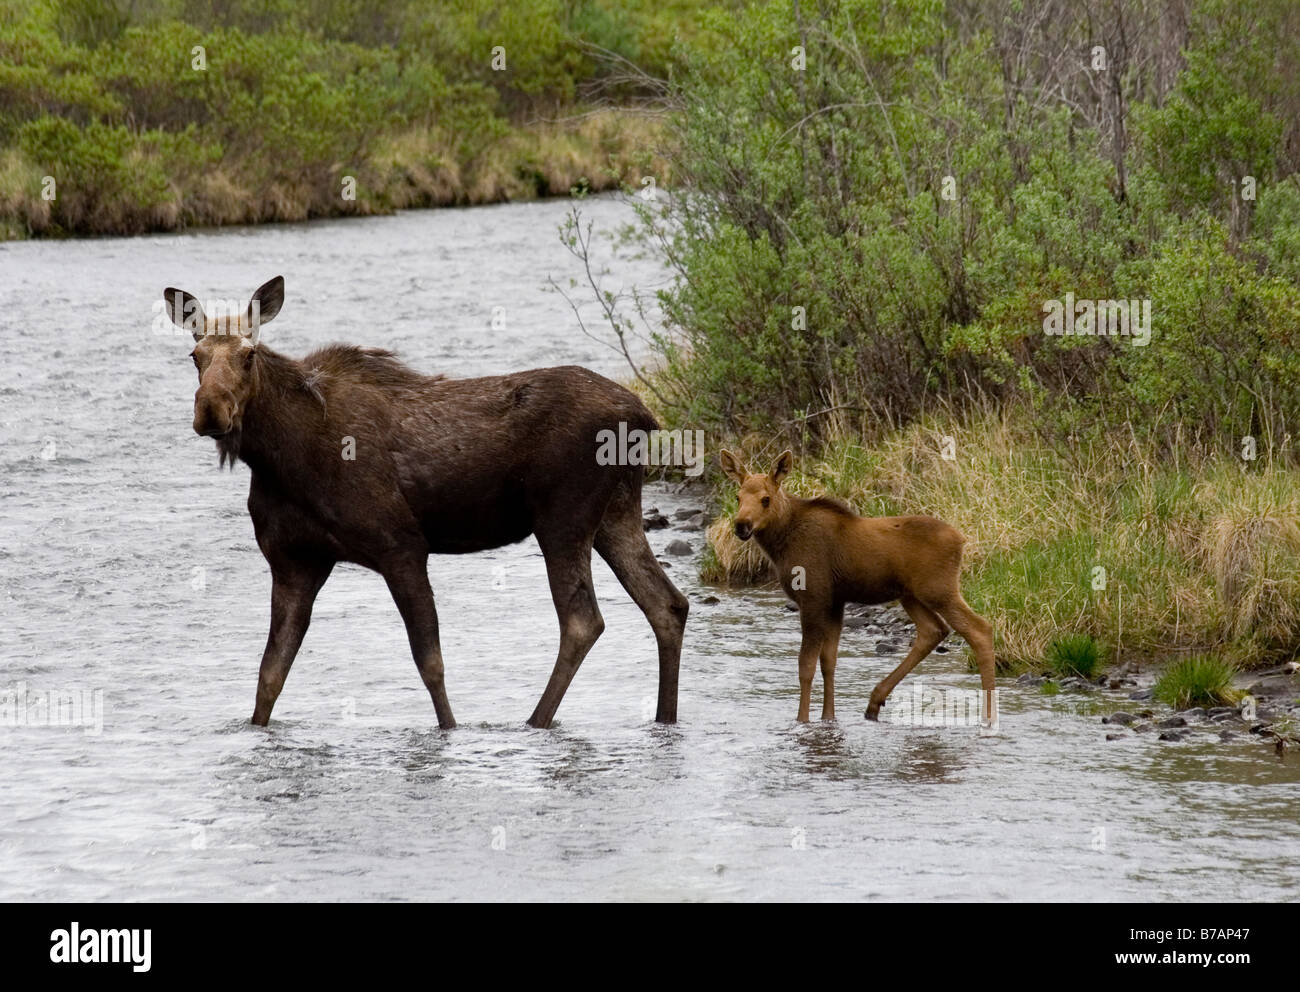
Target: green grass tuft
1202, 680
1075, 654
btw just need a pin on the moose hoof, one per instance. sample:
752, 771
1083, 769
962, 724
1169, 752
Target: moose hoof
873, 711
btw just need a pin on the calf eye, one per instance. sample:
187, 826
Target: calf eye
766, 500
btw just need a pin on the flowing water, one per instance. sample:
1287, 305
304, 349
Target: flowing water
128, 571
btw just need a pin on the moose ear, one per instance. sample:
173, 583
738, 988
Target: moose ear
732, 466
783, 465
185, 311
265, 304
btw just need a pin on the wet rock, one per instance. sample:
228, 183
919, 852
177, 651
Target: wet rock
1195, 713
1140, 728
1217, 712
664, 564
654, 520
790, 607
1140, 694
856, 623
695, 511
710, 600
1121, 718
1025, 679
941, 650
1227, 735
1170, 735
1173, 721
1113, 737
678, 548
697, 522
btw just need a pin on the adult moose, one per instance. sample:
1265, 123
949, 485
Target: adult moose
439, 466
826, 556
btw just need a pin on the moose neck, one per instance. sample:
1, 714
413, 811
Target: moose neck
275, 432
774, 537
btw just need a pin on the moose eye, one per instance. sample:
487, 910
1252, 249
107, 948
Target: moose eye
766, 501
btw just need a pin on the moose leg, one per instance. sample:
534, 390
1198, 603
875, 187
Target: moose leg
930, 630
830, 650
621, 541
978, 633
408, 581
813, 621
293, 592
568, 567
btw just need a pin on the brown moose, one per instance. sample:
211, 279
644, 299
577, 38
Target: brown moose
439, 466
826, 556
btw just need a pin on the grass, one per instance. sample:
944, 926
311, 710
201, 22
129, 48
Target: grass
1075, 654
1146, 549
1202, 680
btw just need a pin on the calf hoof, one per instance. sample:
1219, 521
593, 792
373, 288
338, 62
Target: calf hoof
873, 711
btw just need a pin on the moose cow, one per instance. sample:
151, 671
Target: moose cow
440, 466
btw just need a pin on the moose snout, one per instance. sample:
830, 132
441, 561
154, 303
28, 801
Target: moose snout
744, 529
213, 415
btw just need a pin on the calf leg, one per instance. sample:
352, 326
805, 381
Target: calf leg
568, 567
930, 630
621, 541
294, 586
829, 652
978, 633
814, 621
408, 581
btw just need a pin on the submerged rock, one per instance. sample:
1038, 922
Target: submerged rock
1121, 718
1173, 721
678, 548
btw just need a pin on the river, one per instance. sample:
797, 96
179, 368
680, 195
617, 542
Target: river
128, 569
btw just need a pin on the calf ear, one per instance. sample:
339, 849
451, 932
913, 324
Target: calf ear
185, 311
731, 465
783, 465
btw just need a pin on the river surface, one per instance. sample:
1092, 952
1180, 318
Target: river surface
128, 571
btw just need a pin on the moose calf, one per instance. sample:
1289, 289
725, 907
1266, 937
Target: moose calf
827, 556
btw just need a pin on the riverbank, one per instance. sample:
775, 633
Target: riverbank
128, 121
598, 151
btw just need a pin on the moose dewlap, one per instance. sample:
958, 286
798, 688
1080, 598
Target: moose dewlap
826, 556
